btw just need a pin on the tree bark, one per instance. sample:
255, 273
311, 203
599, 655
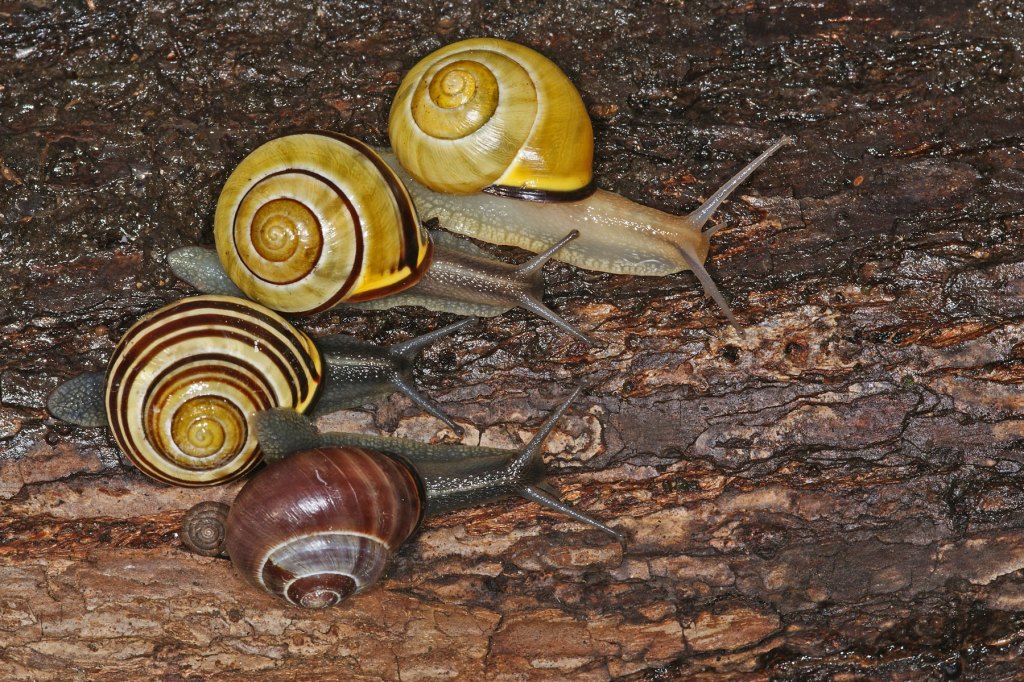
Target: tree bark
837, 492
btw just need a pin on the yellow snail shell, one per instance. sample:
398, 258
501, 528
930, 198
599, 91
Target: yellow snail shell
302, 225
491, 114
184, 382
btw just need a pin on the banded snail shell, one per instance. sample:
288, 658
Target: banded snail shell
311, 220
323, 524
183, 383
492, 115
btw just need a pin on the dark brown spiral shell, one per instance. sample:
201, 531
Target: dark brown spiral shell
183, 383
323, 524
204, 528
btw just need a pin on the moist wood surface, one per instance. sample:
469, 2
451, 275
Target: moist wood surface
836, 494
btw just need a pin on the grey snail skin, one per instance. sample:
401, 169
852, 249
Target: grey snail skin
494, 141
323, 520
313, 220
184, 382
357, 372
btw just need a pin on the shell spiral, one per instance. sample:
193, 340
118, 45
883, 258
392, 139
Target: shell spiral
323, 524
204, 527
184, 381
310, 220
489, 114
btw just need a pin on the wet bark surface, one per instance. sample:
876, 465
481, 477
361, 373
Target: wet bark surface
838, 492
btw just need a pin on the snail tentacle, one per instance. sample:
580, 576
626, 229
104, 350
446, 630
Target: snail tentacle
79, 400
530, 454
699, 217
529, 296
537, 262
359, 372
710, 288
426, 404
535, 494
539, 491
200, 267
702, 214
413, 347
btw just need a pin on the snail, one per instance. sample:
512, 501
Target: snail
183, 383
492, 139
322, 521
313, 220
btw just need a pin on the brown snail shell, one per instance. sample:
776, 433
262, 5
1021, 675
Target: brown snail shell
203, 529
323, 524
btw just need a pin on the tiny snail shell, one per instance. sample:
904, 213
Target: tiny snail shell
183, 382
550, 169
203, 529
323, 520
316, 219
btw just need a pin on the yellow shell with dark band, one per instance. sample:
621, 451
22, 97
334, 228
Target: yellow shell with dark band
184, 382
488, 114
311, 220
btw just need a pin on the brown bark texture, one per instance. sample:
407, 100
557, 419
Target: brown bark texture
836, 494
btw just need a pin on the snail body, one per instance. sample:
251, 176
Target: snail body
434, 154
183, 383
484, 285
314, 220
323, 520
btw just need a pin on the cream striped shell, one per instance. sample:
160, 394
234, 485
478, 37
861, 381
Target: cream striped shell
184, 382
310, 220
